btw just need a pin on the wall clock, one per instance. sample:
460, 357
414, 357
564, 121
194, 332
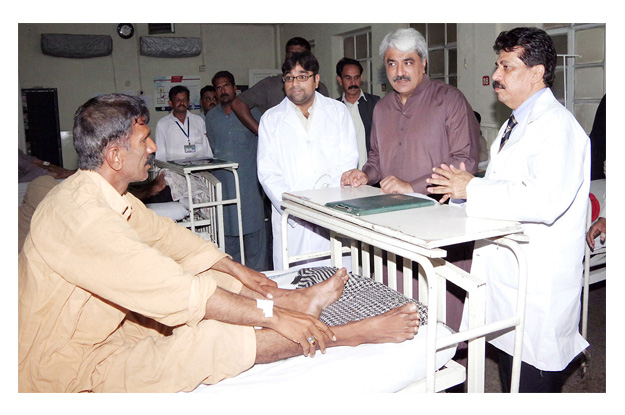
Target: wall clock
125, 30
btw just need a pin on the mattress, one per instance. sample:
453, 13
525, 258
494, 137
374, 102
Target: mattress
387, 367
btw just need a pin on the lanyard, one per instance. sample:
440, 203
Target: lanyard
187, 133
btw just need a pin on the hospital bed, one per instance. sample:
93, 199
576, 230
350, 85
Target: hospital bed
368, 368
203, 200
387, 247
205, 188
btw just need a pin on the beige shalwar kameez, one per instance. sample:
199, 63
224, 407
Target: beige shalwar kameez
112, 298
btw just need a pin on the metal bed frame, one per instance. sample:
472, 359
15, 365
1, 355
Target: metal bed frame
214, 221
418, 237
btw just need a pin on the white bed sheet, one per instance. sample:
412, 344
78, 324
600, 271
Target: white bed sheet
387, 367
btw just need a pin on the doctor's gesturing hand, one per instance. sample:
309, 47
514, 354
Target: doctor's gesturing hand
450, 181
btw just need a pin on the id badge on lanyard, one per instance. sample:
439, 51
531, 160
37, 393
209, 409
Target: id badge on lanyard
190, 148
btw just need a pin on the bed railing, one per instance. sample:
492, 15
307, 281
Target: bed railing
400, 268
207, 221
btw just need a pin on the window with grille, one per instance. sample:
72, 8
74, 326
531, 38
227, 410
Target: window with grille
442, 61
580, 74
358, 46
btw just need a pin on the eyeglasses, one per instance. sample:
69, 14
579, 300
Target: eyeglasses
300, 78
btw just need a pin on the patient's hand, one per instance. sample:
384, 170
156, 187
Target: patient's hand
256, 281
253, 280
299, 327
354, 178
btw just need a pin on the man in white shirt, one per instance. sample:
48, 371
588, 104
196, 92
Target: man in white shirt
181, 134
539, 175
305, 142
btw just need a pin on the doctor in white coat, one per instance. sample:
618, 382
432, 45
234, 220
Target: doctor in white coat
305, 142
541, 178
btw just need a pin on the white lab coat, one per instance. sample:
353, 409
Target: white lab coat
540, 178
292, 159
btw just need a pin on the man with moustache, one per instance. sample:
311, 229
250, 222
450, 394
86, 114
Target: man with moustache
114, 298
208, 100
304, 143
539, 175
231, 140
360, 104
181, 134
419, 125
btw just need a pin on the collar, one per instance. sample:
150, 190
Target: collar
186, 117
362, 95
120, 204
522, 112
418, 90
311, 109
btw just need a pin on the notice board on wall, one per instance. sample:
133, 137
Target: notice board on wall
163, 84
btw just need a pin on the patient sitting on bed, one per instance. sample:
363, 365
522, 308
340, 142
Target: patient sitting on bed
113, 297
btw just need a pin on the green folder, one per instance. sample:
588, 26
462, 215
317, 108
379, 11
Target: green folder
379, 204
199, 161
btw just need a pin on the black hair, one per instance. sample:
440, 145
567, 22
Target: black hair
347, 61
207, 88
305, 59
223, 74
178, 89
538, 49
105, 120
297, 41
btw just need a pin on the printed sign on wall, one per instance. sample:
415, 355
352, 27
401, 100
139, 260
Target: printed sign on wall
163, 84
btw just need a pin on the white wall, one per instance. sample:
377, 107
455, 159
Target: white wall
237, 48
233, 47
476, 59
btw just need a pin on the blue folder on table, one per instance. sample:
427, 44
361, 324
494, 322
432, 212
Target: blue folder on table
380, 204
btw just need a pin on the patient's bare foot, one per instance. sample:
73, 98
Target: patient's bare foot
314, 299
394, 326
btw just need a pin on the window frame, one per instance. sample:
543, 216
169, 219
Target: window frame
448, 77
366, 62
568, 63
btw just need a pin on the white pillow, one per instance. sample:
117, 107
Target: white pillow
173, 210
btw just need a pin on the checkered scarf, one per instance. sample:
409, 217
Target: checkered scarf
362, 297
